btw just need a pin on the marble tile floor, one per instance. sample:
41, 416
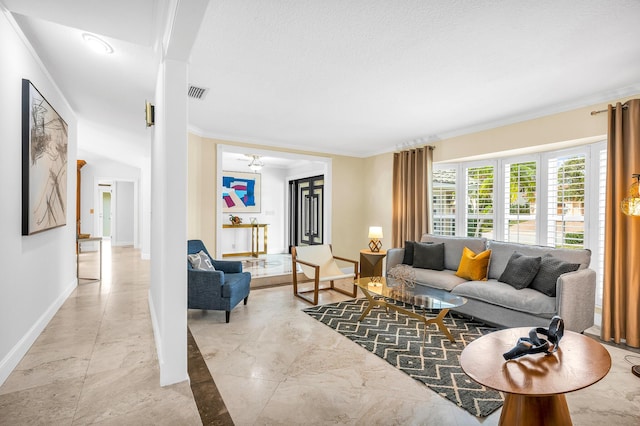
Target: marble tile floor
265, 265
273, 364
95, 362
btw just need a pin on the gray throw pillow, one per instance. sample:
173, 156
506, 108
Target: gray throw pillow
428, 256
550, 269
201, 261
520, 270
408, 252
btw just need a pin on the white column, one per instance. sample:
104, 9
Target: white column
168, 293
168, 239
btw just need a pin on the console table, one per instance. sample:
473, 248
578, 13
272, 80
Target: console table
87, 240
535, 385
255, 239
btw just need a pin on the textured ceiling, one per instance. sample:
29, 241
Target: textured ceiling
362, 77
354, 77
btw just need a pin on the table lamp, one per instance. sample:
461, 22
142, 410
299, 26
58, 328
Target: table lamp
375, 233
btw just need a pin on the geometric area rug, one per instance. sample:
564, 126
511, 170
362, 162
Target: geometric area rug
397, 338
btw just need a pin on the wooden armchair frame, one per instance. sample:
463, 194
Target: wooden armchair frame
317, 277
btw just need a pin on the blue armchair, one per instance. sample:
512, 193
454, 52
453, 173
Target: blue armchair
219, 290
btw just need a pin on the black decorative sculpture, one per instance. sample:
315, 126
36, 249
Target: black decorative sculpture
534, 344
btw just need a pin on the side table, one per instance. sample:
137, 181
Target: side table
535, 385
371, 263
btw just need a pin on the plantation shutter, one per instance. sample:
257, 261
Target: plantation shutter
520, 190
479, 211
602, 201
444, 201
566, 201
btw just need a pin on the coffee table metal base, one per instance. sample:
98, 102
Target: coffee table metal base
379, 302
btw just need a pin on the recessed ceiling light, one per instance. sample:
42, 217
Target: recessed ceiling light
97, 44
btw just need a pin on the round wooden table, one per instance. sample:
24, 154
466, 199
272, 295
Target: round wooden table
535, 385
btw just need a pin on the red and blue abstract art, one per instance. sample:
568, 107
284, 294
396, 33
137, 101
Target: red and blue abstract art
240, 192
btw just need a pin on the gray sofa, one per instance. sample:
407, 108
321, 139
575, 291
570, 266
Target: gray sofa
501, 304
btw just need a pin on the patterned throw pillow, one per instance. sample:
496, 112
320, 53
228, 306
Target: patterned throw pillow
550, 269
520, 270
201, 261
474, 266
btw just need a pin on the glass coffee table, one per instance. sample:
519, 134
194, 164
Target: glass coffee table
379, 289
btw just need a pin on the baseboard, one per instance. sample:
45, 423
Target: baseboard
9, 362
122, 243
166, 378
145, 256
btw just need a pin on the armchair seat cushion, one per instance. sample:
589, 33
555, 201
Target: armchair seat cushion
236, 286
220, 289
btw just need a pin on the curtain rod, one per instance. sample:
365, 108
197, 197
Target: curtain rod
605, 110
407, 146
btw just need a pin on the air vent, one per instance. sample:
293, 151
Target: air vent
197, 92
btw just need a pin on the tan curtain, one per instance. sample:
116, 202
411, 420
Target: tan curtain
412, 194
621, 297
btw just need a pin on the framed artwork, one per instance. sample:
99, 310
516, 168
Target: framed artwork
44, 163
240, 192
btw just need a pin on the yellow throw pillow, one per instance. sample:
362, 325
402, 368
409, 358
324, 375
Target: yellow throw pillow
474, 266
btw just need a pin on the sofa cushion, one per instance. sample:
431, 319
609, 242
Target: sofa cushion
445, 279
502, 294
201, 261
520, 270
501, 252
428, 256
407, 259
550, 269
453, 247
474, 266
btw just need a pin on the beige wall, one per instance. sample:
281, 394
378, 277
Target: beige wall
201, 192
362, 187
377, 180
570, 128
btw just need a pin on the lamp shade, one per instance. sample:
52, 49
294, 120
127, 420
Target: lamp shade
375, 232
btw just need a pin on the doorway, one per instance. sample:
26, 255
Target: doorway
105, 209
306, 201
281, 168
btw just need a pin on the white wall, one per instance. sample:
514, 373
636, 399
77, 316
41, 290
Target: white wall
100, 169
124, 214
37, 272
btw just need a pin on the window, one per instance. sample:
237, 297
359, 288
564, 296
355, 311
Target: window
549, 198
602, 200
565, 227
444, 201
520, 185
479, 186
